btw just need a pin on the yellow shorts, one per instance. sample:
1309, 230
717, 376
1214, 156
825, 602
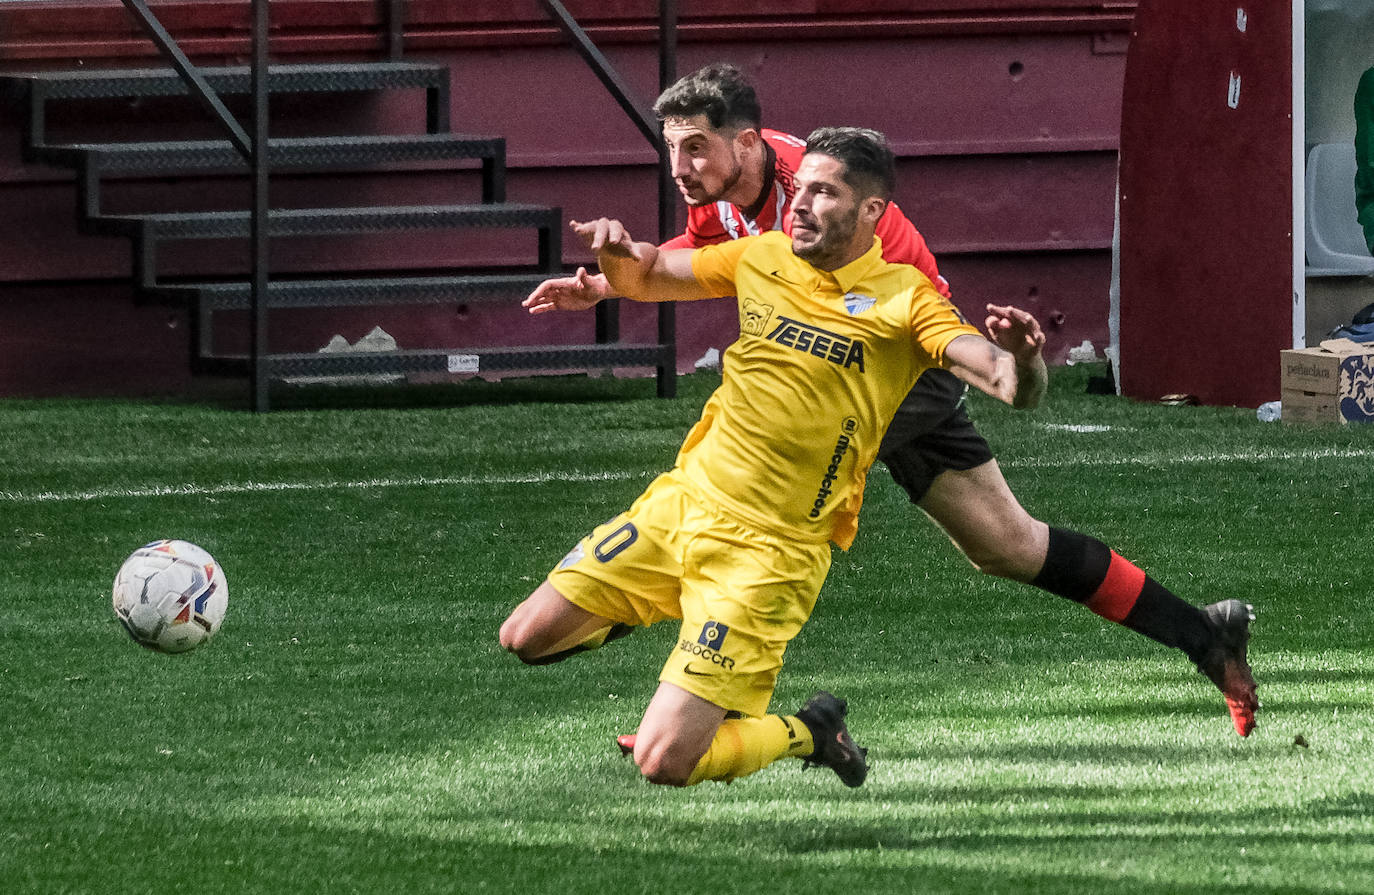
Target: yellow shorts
741, 594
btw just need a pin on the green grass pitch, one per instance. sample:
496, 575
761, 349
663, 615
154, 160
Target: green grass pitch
354, 727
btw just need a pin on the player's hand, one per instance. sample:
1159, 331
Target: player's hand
605, 235
1016, 331
575, 293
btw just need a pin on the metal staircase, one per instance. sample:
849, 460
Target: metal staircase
153, 235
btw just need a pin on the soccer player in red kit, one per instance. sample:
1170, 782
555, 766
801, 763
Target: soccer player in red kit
736, 178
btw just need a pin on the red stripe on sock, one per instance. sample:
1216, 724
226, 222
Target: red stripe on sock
1115, 597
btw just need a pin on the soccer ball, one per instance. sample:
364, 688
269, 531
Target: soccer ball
170, 596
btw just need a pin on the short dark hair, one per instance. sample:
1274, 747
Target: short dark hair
869, 166
719, 91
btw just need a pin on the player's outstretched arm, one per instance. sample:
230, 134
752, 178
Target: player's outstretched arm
578, 292
1009, 364
640, 270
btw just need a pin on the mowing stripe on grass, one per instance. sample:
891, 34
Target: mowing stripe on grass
193, 490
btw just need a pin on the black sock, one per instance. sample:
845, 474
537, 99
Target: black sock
1087, 571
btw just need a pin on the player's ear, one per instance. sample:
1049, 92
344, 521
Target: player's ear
872, 208
748, 138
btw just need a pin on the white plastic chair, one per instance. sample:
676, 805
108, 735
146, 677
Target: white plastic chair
1335, 240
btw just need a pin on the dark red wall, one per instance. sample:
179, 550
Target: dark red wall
1206, 203
1005, 115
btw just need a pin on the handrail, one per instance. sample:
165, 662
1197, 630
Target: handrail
190, 74
607, 322
603, 69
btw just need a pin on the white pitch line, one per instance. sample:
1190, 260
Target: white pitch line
191, 490
1260, 456
1079, 427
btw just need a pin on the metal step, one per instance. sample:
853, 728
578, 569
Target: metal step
94, 161
325, 221
457, 360
148, 231
165, 158
309, 78
361, 292
96, 83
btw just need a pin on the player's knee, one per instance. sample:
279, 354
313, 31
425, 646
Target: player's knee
664, 773
509, 636
518, 637
659, 763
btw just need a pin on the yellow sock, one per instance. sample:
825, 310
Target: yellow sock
596, 639
745, 745
574, 643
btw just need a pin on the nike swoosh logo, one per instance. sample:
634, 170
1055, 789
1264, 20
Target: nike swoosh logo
688, 669
784, 279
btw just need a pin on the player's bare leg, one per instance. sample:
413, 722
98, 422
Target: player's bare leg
976, 508
547, 627
983, 518
674, 734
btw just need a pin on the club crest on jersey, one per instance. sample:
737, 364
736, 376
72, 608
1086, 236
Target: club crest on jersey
753, 317
856, 303
839, 350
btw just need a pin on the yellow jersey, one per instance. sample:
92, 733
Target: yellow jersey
822, 362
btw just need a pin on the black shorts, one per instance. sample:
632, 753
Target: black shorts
930, 433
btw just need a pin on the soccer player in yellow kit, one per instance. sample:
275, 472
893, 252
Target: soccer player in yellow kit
734, 540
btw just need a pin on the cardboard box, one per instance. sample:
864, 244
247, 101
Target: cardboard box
1310, 407
1333, 383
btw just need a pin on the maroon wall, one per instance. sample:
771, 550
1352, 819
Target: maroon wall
1004, 114
1206, 202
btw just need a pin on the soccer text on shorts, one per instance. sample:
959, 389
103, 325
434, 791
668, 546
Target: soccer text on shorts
708, 646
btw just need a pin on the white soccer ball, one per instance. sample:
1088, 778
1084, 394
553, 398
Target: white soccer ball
170, 596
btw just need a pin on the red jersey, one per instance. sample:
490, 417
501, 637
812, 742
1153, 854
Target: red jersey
722, 221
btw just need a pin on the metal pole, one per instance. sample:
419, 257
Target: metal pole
667, 192
395, 29
667, 74
258, 228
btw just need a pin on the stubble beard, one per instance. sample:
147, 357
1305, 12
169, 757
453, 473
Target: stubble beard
736, 171
828, 251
